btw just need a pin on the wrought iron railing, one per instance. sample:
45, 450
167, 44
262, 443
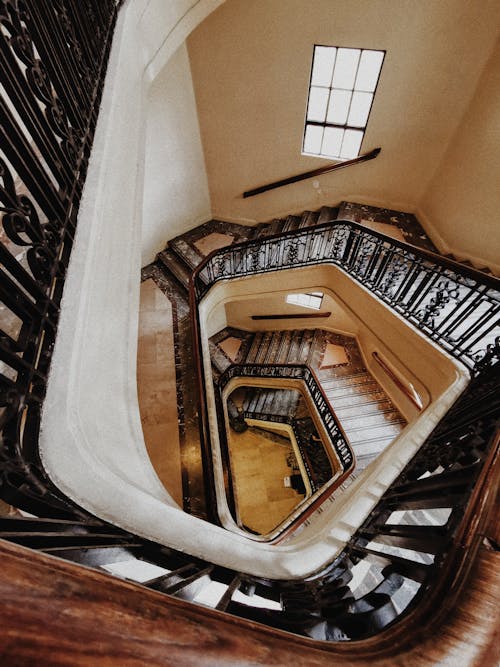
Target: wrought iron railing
336, 436
414, 541
306, 375
456, 307
53, 57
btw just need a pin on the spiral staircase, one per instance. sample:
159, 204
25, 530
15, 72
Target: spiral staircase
78, 587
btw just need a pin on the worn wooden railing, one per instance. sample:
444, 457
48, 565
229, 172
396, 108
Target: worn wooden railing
312, 173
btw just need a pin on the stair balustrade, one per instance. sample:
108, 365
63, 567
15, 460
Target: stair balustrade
53, 57
336, 437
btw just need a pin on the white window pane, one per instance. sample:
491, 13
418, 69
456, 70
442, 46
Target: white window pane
346, 65
324, 57
332, 141
338, 106
369, 69
360, 108
318, 99
312, 300
313, 138
351, 144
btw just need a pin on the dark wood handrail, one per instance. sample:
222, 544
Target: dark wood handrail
410, 393
292, 316
313, 172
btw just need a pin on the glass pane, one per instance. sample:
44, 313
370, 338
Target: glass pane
318, 99
324, 57
313, 138
345, 68
360, 108
369, 70
338, 106
332, 141
351, 144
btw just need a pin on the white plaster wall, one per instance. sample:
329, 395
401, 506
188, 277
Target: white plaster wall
175, 181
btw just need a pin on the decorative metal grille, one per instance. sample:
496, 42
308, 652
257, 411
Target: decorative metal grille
53, 58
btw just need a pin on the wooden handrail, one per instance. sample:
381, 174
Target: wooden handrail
408, 391
292, 316
310, 174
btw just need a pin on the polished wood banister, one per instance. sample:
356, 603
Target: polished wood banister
408, 391
292, 316
310, 174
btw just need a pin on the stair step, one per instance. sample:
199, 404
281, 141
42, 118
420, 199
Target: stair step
276, 226
294, 347
218, 358
367, 433
282, 353
350, 411
359, 398
352, 390
372, 447
273, 347
308, 219
185, 252
291, 222
264, 347
378, 418
326, 214
305, 346
254, 348
346, 380
175, 267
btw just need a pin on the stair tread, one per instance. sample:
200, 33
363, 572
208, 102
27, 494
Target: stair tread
370, 386
326, 214
175, 267
349, 412
185, 252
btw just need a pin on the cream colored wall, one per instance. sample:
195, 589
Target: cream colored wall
354, 312
251, 65
239, 313
175, 181
462, 202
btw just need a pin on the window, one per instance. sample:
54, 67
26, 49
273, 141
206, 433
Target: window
343, 83
310, 300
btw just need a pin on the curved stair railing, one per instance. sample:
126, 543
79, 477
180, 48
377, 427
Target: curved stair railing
457, 307
416, 538
331, 425
370, 597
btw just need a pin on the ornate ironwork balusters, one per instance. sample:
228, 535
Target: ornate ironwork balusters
457, 308
52, 64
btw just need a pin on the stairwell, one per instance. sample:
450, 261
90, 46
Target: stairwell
369, 419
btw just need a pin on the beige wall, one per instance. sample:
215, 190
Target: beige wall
251, 64
239, 313
463, 201
354, 312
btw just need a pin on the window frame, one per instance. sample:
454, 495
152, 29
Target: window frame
310, 295
324, 124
